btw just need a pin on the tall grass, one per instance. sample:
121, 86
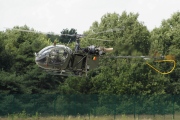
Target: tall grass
24, 116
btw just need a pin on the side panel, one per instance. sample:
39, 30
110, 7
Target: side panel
79, 62
92, 61
83, 63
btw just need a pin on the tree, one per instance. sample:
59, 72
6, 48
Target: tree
23, 71
22, 46
5, 57
165, 39
130, 37
128, 33
65, 38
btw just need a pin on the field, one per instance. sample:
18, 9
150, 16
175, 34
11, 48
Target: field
117, 117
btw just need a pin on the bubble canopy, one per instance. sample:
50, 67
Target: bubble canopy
52, 57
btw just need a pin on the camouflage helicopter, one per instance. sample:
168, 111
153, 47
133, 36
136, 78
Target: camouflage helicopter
62, 60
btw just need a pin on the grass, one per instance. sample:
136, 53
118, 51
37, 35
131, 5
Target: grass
23, 116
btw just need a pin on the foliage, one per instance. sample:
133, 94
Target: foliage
24, 105
20, 75
64, 38
166, 39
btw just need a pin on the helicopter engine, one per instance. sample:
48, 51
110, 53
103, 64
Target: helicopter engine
53, 57
97, 50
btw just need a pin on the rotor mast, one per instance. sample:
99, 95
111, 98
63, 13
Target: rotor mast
77, 46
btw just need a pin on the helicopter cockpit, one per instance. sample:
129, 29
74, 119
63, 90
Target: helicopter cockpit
53, 57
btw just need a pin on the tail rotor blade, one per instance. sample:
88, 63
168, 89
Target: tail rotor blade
169, 57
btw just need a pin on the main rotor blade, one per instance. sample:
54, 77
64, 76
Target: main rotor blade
46, 33
31, 31
68, 35
99, 39
109, 30
144, 57
78, 35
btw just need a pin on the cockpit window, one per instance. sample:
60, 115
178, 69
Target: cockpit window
46, 49
58, 54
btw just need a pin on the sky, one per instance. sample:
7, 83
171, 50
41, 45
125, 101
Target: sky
56, 15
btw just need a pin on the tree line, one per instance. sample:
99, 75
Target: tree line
20, 75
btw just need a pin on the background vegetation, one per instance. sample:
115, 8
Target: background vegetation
20, 75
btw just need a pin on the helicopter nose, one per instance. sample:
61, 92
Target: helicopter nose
36, 57
39, 60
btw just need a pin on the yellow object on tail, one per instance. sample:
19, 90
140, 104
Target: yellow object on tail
169, 58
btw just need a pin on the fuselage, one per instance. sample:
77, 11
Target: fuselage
53, 57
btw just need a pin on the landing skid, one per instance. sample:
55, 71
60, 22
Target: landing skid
65, 73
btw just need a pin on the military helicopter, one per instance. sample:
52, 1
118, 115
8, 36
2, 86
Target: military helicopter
62, 60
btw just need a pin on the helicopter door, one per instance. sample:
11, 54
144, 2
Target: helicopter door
57, 57
92, 62
78, 63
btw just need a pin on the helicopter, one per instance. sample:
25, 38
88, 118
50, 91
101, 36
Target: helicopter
62, 60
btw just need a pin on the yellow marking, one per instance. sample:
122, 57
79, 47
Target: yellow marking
168, 60
94, 58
